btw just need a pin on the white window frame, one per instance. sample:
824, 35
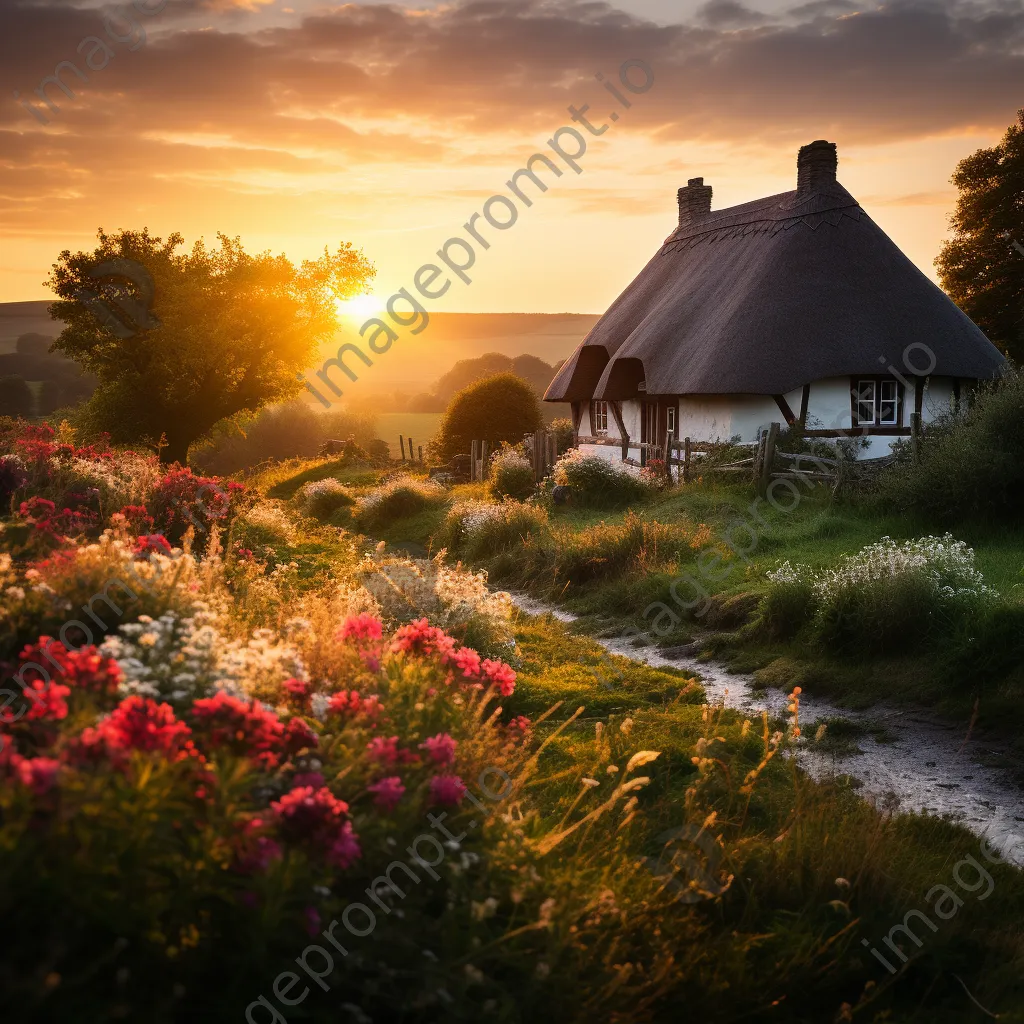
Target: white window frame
886, 387
599, 418
670, 419
861, 403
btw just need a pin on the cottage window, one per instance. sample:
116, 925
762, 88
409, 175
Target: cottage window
670, 419
877, 402
599, 417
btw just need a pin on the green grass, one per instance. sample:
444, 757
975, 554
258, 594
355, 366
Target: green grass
783, 940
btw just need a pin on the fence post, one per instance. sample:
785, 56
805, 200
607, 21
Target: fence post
669, 445
473, 449
768, 458
411, 458
401, 444
552, 454
483, 460
915, 436
420, 451
686, 460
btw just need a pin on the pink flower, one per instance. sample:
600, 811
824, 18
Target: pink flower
440, 747
312, 916
387, 792
386, 751
447, 789
519, 728
362, 628
314, 779
345, 851
468, 662
371, 661
37, 773
500, 675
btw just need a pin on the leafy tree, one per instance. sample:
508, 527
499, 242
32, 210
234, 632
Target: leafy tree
981, 266
499, 408
15, 396
33, 344
227, 332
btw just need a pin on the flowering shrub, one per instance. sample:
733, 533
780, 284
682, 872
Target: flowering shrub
458, 600
888, 594
400, 497
597, 482
322, 498
478, 529
512, 475
265, 524
181, 500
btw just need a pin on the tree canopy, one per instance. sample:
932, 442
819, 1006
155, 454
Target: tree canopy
495, 409
227, 331
981, 266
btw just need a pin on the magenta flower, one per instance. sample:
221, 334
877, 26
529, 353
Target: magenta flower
441, 748
38, 773
386, 752
345, 850
447, 790
314, 779
387, 792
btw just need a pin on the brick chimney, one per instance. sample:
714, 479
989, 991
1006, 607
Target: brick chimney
816, 166
694, 202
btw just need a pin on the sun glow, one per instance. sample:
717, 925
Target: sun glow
361, 305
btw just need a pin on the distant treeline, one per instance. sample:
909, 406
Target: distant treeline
535, 371
35, 381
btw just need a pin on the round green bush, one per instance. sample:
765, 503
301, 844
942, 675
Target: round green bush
322, 498
496, 409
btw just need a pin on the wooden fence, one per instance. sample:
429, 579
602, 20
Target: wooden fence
541, 449
412, 458
690, 459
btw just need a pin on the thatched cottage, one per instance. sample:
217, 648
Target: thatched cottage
797, 307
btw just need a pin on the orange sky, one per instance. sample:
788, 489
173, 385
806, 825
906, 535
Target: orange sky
300, 125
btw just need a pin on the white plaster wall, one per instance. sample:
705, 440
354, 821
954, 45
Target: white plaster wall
938, 399
720, 417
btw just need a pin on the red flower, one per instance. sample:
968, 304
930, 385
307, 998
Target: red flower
84, 669
299, 735
138, 518
419, 637
319, 818
246, 729
138, 723
151, 543
348, 704
298, 691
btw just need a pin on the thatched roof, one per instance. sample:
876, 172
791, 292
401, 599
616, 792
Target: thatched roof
771, 295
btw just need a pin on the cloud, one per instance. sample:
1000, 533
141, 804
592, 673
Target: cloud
722, 13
